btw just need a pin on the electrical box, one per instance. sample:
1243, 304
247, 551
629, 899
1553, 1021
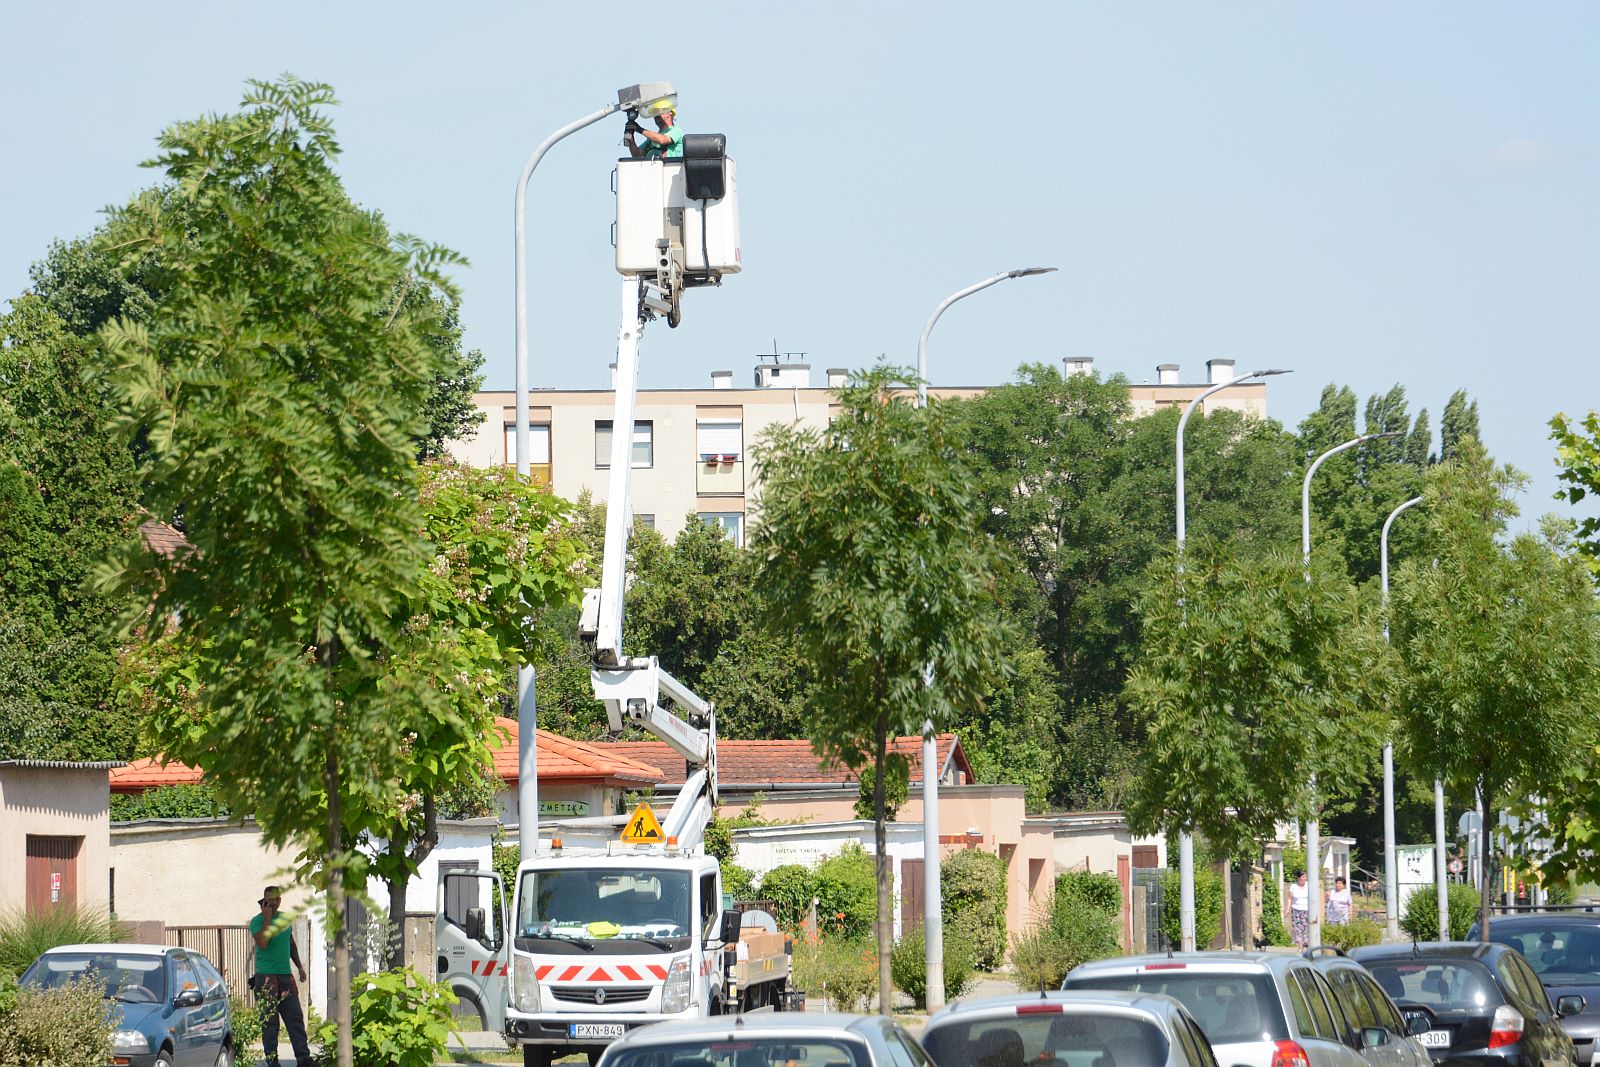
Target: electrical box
653, 205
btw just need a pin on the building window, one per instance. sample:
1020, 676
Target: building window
730, 522
719, 440
644, 521
643, 444
538, 445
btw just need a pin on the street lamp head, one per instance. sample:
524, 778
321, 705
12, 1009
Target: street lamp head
1386, 433
1269, 373
640, 97
1027, 271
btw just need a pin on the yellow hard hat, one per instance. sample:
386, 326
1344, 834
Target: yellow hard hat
664, 104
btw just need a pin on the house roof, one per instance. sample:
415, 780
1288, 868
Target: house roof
62, 764
162, 539
790, 764
560, 760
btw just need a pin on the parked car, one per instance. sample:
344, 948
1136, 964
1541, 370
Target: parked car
1364, 1004
169, 1006
1487, 1005
1092, 1029
777, 1039
1563, 948
1258, 1009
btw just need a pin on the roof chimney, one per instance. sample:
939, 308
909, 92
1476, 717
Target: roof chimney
1221, 370
1167, 374
1078, 365
613, 375
837, 376
722, 379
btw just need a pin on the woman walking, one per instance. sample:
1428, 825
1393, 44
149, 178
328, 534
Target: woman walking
1300, 911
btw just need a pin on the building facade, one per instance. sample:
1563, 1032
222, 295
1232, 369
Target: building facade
692, 447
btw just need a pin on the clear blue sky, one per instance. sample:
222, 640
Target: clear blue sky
1367, 193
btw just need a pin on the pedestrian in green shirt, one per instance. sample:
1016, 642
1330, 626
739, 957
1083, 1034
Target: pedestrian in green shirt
274, 987
664, 142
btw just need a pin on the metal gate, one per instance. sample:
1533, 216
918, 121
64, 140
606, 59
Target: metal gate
1149, 879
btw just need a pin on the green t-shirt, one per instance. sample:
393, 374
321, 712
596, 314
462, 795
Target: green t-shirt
671, 151
274, 959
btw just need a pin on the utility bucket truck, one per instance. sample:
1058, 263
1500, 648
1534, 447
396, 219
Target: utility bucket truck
613, 933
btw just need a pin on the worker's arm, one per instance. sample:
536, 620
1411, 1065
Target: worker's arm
294, 957
655, 138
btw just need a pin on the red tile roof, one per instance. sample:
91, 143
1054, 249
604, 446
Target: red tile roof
560, 760
162, 539
770, 763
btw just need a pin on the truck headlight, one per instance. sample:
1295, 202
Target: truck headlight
130, 1043
675, 994
524, 985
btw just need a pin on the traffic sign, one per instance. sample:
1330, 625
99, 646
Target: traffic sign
643, 828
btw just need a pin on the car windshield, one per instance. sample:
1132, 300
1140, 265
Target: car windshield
1453, 985
751, 1052
1559, 953
1077, 1039
1230, 1008
130, 978
605, 904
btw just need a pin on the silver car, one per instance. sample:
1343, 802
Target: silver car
769, 1039
1265, 1009
1067, 1030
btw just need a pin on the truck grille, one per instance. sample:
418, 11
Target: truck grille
588, 994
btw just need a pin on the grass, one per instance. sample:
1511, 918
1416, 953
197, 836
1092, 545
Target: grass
25, 935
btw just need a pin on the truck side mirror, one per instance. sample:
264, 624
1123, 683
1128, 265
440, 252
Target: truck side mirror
731, 921
474, 924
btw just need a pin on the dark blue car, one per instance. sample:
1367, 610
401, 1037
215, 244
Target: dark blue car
168, 1005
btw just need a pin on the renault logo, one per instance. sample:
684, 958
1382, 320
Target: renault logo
599, 996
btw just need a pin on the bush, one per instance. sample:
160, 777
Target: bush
169, 802
399, 1019
1353, 934
506, 860
790, 888
61, 1027
27, 935
1559, 892
842, 970
1272, 929
740, 882
1420, 918
1208, 893
247, 1019
847, 893
908, 965
972, 890
1294, 861
1103, 891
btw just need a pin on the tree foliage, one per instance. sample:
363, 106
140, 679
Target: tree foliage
869, 552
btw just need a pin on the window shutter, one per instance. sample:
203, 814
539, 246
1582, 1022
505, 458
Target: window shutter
719, 438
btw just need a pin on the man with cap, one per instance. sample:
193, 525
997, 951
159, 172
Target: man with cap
664, 142
275, 988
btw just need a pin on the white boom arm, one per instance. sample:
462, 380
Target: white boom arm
631, 687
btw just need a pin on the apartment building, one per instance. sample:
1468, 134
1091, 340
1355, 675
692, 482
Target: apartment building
691, 447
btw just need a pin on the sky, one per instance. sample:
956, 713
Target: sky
1365, 193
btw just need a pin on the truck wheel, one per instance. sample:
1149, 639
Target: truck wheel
535, 1056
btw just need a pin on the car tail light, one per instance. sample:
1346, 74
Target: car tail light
1039, 1007
1164, 966
1289, 1054
1506, 1029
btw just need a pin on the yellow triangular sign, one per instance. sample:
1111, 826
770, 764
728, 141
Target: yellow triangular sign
642, 828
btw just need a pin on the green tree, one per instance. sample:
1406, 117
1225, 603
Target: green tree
1578, 454
1253, 680
869, 552
1499, 644
279, 386
1459, 424
68, 496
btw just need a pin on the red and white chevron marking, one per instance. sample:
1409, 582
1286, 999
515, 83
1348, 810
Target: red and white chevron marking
579, 973
488, 968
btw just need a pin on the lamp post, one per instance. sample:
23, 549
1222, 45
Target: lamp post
1313, 831
932, 917
922, 342
527, 709
1185, 838
1391, 890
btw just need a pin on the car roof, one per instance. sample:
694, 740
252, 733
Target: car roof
123, 947
1208, 962
1431, 950
1070, 1000
806, 1024
1544, 919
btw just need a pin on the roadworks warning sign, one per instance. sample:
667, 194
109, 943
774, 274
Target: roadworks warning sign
643, 828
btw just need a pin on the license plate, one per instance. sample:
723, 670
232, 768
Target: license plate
1434, 1038
594, 1030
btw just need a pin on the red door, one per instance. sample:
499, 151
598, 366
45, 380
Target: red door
52, 872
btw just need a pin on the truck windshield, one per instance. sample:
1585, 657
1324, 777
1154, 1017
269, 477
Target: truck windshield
650, 908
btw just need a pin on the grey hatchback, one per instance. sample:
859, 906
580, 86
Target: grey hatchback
780, 1039
1067, 1030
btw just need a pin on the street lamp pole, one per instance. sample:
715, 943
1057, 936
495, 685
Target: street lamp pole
1313, 830
1185, 838
932, 916
527, 709
1391, 888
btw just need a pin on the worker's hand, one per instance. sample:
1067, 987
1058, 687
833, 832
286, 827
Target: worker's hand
301, 971
632, 127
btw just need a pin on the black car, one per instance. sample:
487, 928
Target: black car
1563, 948
1487, 1006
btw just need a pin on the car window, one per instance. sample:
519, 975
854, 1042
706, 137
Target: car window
1201, 1045
1083, 1038
1228, 1008
1388, 1014
750, 1051
1187, 1044
1358, 1012
913, 1049
899, 1055
1297, 1004
1558, 952
210, 980
1322, 1024
1524, 982
1446, 984
183, 976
